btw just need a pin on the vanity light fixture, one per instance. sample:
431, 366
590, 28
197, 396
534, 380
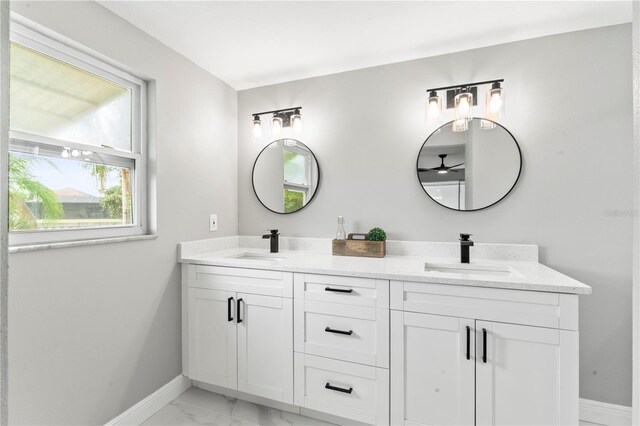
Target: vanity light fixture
282, 119
462, 98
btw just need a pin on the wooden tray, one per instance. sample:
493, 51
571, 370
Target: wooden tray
359, 248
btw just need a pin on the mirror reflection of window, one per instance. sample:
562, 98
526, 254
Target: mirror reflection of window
297, 168
285, 176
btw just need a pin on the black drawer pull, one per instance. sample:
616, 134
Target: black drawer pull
336, 388
238, 311
339, 290
331, 330
484, 345
229, 303
468, 342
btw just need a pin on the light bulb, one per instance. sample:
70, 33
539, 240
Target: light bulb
296, 122
495, 104
65, 153
276, 126
75, 153
257, 127
434, 109
463, 102
442, 172
494, 108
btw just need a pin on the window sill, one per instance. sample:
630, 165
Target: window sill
79, 243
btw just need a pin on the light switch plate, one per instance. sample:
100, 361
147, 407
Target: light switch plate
213, 222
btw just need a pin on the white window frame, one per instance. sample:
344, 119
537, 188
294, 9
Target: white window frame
58, 47
300, 187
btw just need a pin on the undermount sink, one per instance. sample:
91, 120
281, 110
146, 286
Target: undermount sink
260, 256
449, 268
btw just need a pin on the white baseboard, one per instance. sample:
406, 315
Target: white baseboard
146, 408
604, 413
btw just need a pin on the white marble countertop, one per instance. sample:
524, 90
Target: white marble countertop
511, 274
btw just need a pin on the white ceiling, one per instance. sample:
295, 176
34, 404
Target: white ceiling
256, 43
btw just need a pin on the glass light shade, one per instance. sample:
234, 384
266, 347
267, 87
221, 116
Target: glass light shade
495, 102
487, 124
296, 123
460, 125
434, 109
276, 126
462, 103
257, 127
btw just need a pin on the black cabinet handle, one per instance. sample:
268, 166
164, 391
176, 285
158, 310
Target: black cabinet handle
339, 290
468, 342
229, 303
238, 311
338, 389
484, 345
331, 330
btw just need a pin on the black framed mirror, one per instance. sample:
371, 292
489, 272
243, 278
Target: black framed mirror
285, 176
469, 167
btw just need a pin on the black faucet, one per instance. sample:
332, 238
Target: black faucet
465, 243
273, 239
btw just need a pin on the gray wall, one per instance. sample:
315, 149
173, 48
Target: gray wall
93, 330
568, 103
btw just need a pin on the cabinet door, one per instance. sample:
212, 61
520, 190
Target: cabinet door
432, 369
265, 346
212, 337
528, 376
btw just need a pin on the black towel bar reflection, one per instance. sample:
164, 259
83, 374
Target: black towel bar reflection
338, 389
331, 330
339, 290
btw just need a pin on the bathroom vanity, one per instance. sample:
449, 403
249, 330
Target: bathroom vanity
415, 339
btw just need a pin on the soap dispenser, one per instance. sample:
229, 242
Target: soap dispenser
341, 234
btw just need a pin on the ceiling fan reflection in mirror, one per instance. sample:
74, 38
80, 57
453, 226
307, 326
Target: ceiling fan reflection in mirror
442, 169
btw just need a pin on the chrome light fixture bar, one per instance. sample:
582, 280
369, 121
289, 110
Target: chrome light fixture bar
280, 119
461, 98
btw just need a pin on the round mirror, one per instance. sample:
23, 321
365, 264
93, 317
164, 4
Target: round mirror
469, 169
285, 176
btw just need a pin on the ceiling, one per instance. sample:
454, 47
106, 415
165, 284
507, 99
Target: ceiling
255, 43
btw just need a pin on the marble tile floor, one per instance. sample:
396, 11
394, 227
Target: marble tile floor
200, 407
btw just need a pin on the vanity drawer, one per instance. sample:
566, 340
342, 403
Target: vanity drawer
551, 310
353, 391
343, 290
252, 281
344, 332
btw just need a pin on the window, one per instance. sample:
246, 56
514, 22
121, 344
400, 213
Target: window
77, 148
297, 167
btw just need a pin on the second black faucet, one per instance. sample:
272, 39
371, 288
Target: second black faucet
465, 243
273, 239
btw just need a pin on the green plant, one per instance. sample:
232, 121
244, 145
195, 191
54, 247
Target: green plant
376, 234
24, 188
111, 201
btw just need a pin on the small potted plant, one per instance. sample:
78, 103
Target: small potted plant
371, 244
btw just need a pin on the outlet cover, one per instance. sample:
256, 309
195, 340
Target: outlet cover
213, 222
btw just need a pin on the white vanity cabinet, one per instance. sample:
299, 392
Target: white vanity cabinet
384, 352
465, 355
239, 330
